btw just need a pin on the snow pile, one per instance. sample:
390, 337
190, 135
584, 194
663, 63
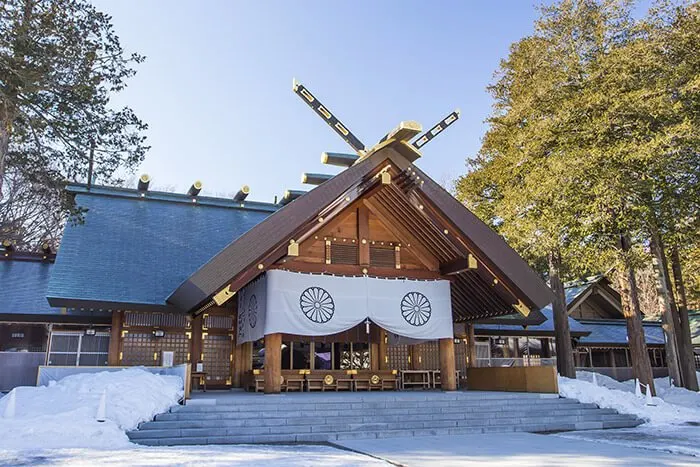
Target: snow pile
63, 414
672, 406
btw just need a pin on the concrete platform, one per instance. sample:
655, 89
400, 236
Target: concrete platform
512, 449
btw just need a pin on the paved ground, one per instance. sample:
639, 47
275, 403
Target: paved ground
264, 456
511, 449
679, 439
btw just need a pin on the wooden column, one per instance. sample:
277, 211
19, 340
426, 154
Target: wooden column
471, 346
237, 364
196, 356
115, 338
383, 350
374, 354
273, 363
448, 370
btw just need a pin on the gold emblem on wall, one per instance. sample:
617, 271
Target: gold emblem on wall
374, 379
328, 380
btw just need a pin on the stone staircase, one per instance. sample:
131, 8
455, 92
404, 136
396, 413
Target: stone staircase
232, 418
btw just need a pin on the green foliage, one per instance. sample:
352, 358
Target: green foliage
60, 61
595, 131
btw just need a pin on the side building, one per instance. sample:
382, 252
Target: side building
598, 332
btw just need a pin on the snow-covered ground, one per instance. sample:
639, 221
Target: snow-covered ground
268, 456
673, 421
63, 415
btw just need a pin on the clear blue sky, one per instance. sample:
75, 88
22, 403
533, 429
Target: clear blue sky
216, 86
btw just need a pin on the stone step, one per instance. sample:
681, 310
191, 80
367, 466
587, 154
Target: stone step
403, 396
311, 418
366, 417
333, 436
286, 404
345, 426
284, 411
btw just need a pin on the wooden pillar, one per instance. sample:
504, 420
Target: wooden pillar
383, 350
448, 370
115, 338
237, 364
273, 363
471, 346
544, 343
196, 356
374, 356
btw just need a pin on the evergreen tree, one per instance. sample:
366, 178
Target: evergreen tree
60, 61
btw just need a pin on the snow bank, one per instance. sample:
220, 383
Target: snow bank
672, 406
63, 414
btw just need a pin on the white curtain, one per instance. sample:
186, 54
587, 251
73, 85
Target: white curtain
252, 305
320, 305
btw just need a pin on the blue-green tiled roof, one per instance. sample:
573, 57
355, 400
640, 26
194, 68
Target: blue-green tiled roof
136, 250
23, 284
545, 328
614, 332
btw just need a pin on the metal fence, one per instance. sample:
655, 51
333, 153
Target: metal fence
520, 361
19, 368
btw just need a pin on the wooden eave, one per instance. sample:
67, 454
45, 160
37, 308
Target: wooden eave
413, 204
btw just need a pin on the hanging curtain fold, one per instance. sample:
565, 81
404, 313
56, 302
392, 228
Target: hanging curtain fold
320, 305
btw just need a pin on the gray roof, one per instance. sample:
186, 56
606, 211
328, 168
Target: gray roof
133, 250
24, 282
546, 328
574, 290
614, 332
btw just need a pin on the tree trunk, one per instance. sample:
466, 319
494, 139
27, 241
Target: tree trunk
641, 366
690, 380
664, 302
562, 336
5, 127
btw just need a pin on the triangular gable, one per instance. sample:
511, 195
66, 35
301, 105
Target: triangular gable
424, 204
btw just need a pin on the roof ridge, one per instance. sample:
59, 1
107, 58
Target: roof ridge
183, 198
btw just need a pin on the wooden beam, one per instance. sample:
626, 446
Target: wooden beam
458, 265
363, 234
356, 270
273, 363
115, 338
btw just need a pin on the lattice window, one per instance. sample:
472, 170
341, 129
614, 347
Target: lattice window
64, 349
139, 319
382, 257
138, 348
344, 254
218, 322
398, 357
70, 348
217, 349
174, 342
428, 356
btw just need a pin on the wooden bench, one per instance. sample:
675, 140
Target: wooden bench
254, 381
375, 380
327, 380
293, 380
